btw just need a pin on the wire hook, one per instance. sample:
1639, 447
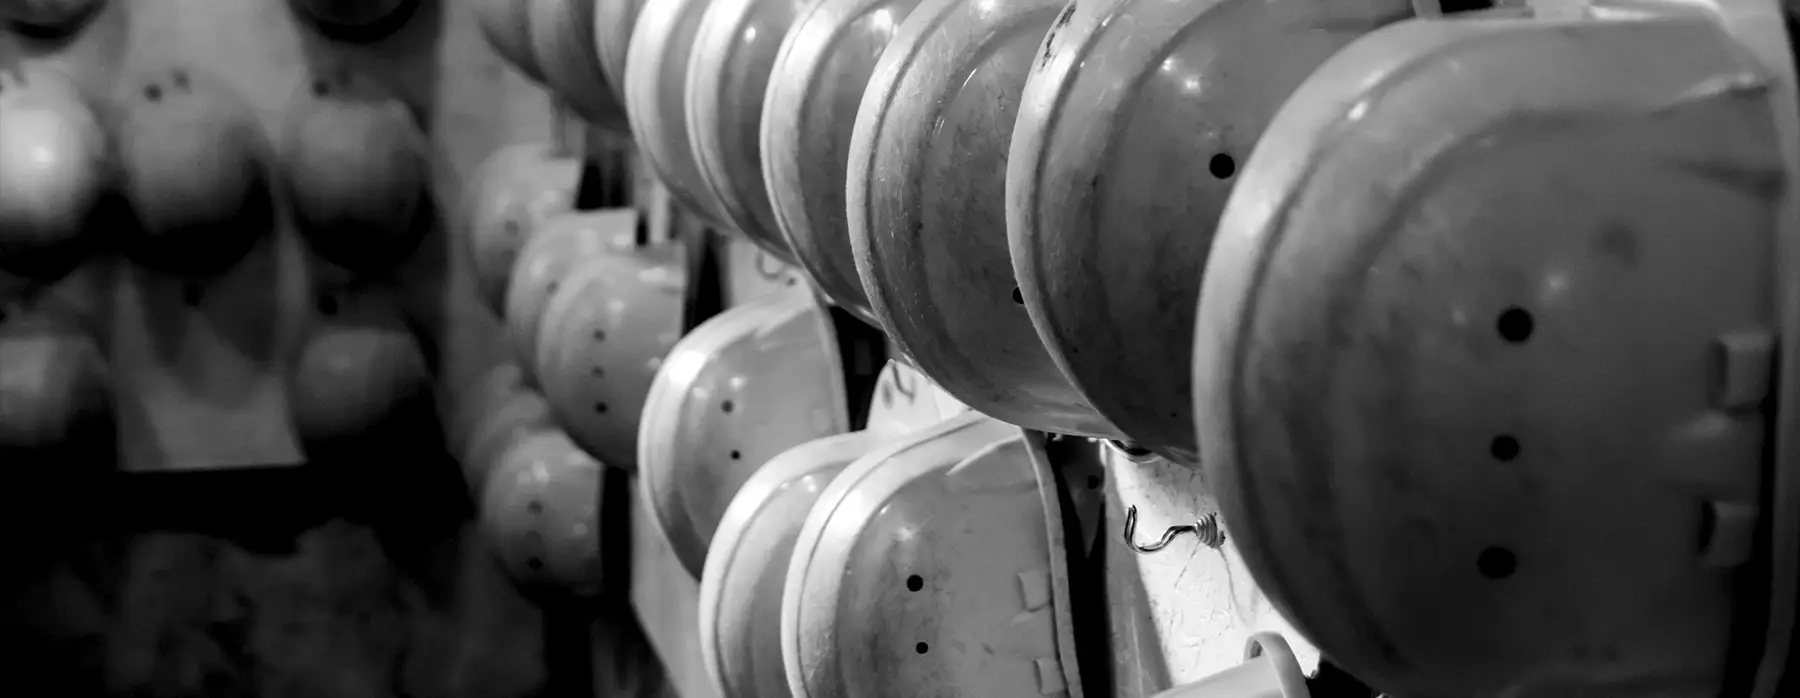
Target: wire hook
1211, 534
768, 267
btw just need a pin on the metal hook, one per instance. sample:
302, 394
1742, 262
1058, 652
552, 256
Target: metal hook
910, 392
763, 260
1211, 534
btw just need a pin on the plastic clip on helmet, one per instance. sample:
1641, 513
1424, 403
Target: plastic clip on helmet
566, 243
741, 388
604, 335
728, 76
613, 21
1128, 139
562, 37
808, 116
656, 69
512, 194
927, 214
747, 561
1487, 355
934, 566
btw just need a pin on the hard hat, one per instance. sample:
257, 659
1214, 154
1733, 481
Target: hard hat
728, 74
747, 563
1493, 346
1270, 670
656, 68
934, 566
742, 387
566, 243
604, 335
562, 36
540, 511
1129, 136
808, 115
506, 24
359, 379
57, 163
177, 119
613, 20
56, 391
355, 171
512, 193
927, 213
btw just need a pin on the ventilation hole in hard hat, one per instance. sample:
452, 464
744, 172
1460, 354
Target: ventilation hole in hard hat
735, 454
153, 93
1017, 296
1497, 563
1504, 448
921, 648
535, 507
1515, 325
326, 304
190, 294
1222, 166
727, 406
915, 583
599, 408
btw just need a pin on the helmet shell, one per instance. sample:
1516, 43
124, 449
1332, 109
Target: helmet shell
1130, 133
921, 551
739, 389
927, 215
1477, 348
656, 68
808, 117
604, 334
728, 76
